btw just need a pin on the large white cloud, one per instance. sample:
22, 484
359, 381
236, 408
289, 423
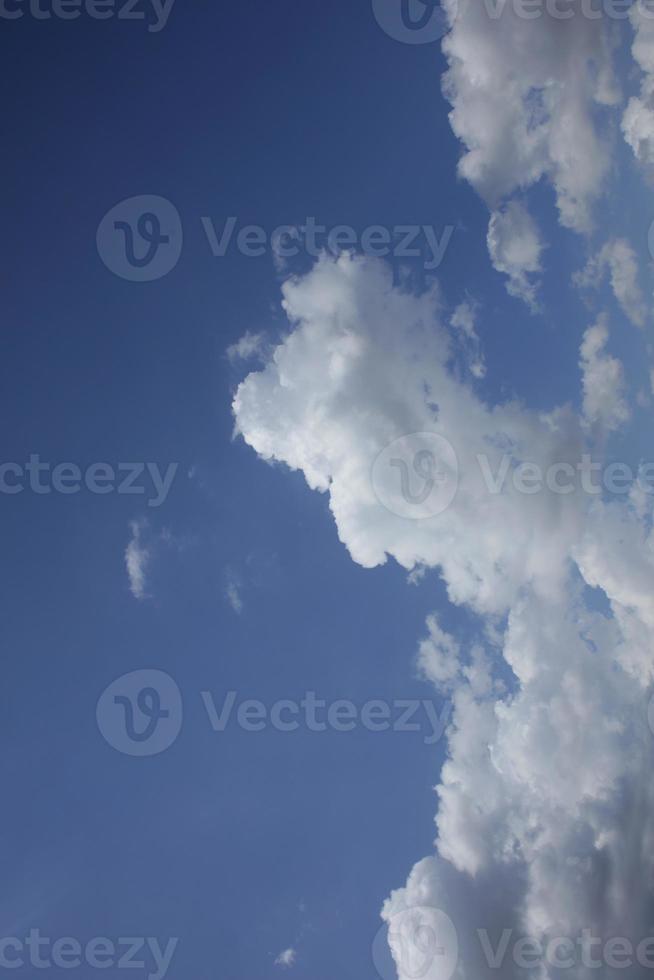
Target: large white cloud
365, 365
545, 818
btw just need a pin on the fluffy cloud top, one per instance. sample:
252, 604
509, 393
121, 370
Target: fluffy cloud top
545, 819
545, 823
367, 364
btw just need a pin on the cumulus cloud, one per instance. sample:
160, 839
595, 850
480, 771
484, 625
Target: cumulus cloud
137, 557
619, 259
515, 248
525, 95
545, 821
367, 364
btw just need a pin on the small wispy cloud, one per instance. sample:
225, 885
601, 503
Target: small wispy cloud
286, 958
233, 592
618, 258
464, 322
250, 345
137, 557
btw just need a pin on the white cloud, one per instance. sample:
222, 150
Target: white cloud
638, 128
545, 818
286, 958
515, 248
137, 557
602, 380
525, 94
248, 347
619, 258
366, 364
439, 655
233, 592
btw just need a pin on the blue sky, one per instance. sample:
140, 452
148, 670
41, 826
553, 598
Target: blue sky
243, 845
